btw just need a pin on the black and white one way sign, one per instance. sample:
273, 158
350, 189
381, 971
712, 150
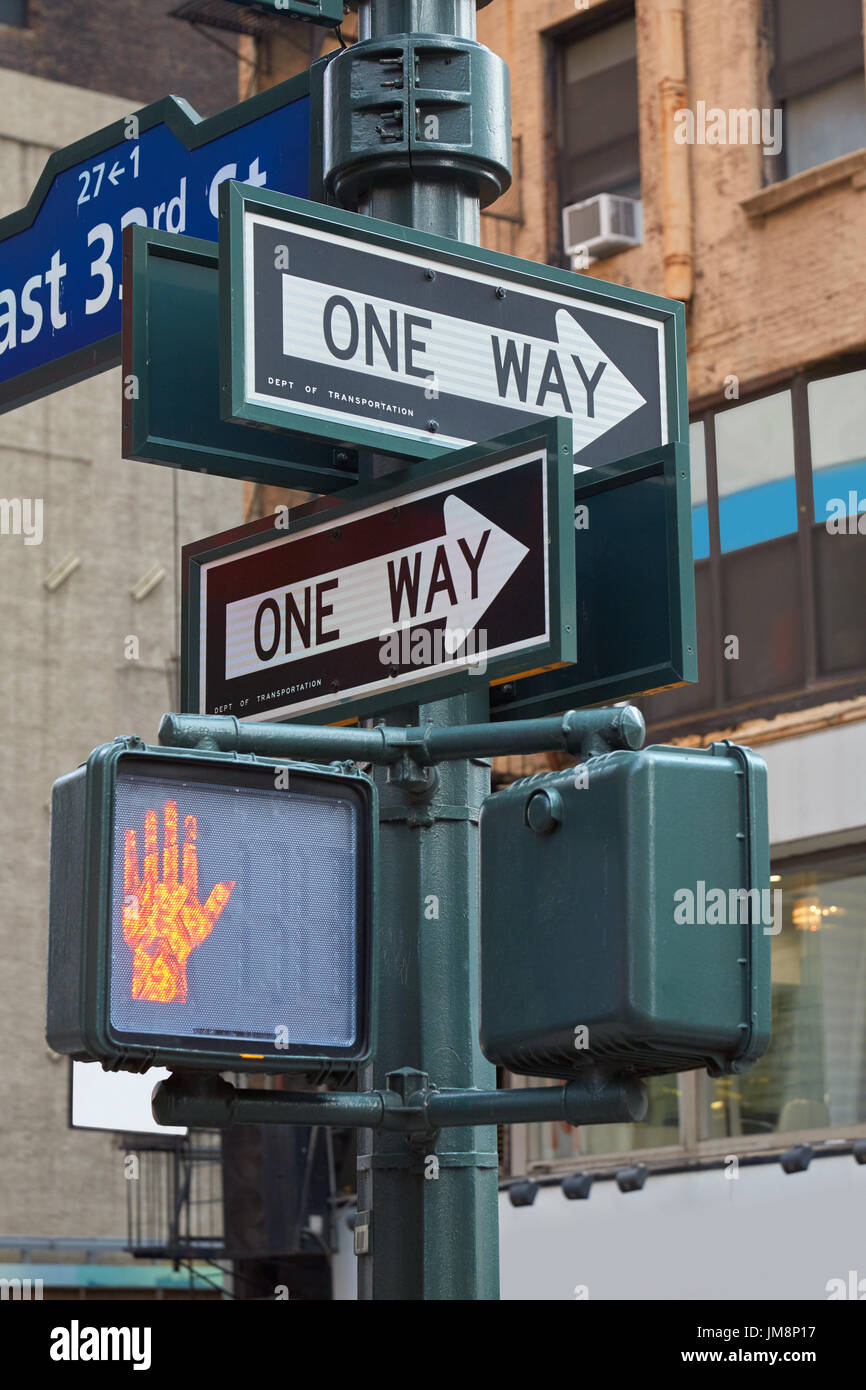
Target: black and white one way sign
448, 582
379, 342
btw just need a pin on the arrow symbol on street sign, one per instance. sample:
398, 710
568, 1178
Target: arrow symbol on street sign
478, 558
454, 576
574, 377
115, 172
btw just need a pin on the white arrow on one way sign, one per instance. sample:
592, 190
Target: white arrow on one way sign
455, 576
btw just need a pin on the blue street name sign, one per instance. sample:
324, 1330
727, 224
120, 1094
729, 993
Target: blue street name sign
161, 167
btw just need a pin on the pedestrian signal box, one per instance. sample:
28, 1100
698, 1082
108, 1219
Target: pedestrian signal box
626, 915
210, 911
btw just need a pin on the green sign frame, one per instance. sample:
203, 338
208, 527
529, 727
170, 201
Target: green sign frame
237, 201
171, 389
635, 589
553, 436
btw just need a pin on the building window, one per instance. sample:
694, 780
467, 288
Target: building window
14, 12
813, 1075
817, 79
598, 112
778, 509
560, 1142
837, 432
755, 463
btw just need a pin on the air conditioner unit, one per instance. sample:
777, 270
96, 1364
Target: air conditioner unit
601, 226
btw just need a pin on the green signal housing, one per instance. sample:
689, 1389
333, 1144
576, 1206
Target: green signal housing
212, 912
626, 915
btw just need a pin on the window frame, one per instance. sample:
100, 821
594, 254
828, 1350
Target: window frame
815, 689
558, 38
776, 168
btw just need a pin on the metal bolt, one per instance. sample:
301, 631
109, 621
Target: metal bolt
544, 811
432, 426
500, 293
429, 274
632, 728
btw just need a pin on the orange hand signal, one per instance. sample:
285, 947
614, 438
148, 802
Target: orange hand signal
163, 920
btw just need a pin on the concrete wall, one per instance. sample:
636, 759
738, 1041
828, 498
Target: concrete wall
66, 684
763, 1235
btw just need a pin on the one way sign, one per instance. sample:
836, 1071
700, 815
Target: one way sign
364, 333
466, 576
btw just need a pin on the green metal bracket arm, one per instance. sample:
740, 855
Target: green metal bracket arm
204, 1101
580, 732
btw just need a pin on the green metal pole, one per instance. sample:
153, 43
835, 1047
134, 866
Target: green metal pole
433, 1230
429, 1218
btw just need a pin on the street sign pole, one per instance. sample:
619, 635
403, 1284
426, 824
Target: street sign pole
418, 1235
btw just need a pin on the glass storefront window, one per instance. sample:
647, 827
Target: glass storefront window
813, 1075
549, 1142
837, 431
755, 469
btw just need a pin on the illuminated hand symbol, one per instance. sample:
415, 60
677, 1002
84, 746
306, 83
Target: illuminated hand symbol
163, 920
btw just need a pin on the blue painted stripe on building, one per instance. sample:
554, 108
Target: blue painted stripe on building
835, 483
758, 514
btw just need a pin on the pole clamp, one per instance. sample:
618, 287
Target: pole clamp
416, 106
